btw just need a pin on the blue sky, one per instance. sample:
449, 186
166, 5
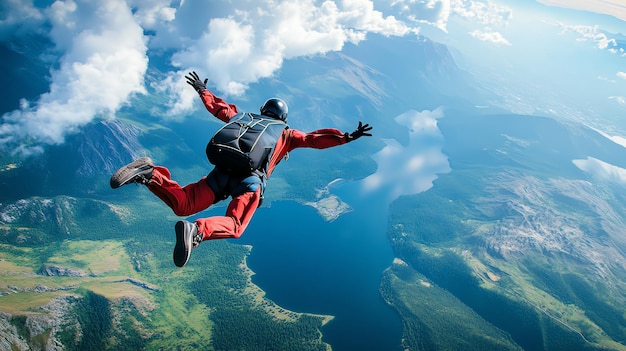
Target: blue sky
548, 60
538, 59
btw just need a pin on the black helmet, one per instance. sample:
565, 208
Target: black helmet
275, 108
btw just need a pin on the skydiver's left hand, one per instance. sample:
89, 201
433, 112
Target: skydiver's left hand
361, 130
194, 80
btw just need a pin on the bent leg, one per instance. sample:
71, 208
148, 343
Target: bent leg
184, 201
237, 217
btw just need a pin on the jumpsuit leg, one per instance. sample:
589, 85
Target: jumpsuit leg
237, 217
184, 201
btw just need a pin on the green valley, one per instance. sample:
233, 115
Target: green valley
122, 293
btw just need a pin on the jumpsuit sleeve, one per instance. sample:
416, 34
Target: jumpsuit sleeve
293, 139
217, 106
319, 139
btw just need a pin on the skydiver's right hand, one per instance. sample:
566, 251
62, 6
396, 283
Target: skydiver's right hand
194, 80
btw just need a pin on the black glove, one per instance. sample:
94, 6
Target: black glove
194, 80
360, 131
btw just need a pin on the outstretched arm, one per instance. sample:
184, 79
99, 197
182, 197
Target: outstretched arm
319, 139
215, 105
324, 138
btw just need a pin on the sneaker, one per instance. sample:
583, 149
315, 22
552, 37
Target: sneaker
138, 171
187, 237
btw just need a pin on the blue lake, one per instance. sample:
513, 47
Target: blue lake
308, 265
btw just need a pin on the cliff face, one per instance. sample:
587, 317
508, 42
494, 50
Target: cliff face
39, 220
104, 146
40, 329
77, 167
73, 322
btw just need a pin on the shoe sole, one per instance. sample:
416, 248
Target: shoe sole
182, 250
127, 173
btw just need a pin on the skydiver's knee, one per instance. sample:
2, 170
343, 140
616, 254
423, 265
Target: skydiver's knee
183, 212
236, 235
238, 229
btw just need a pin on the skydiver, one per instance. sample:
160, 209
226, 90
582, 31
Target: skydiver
246, 189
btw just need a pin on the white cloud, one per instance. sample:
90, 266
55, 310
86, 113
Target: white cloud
180, 97
252, 41
410, 169
438, 12
621, 75
593, 34
18, 16
619, 99
484, 19
103, 62
432, 12
490, 36
153, 14
103, 51
486, 13
602, 170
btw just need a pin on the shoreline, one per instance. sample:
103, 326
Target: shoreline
270, 307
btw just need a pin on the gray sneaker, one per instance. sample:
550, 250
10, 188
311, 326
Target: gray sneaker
187, 237
138, 171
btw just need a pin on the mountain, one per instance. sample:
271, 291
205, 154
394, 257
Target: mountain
516, 232
517, 247
69, 168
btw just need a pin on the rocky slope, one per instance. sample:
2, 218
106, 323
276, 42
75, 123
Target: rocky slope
517, 233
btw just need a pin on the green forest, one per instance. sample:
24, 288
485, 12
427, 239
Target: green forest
126, 293
444, 288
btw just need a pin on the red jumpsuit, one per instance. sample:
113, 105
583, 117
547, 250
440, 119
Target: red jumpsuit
196, 197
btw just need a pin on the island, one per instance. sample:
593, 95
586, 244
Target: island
328, 205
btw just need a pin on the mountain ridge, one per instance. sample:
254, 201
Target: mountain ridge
517, 224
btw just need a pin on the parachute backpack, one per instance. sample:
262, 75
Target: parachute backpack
243, 145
